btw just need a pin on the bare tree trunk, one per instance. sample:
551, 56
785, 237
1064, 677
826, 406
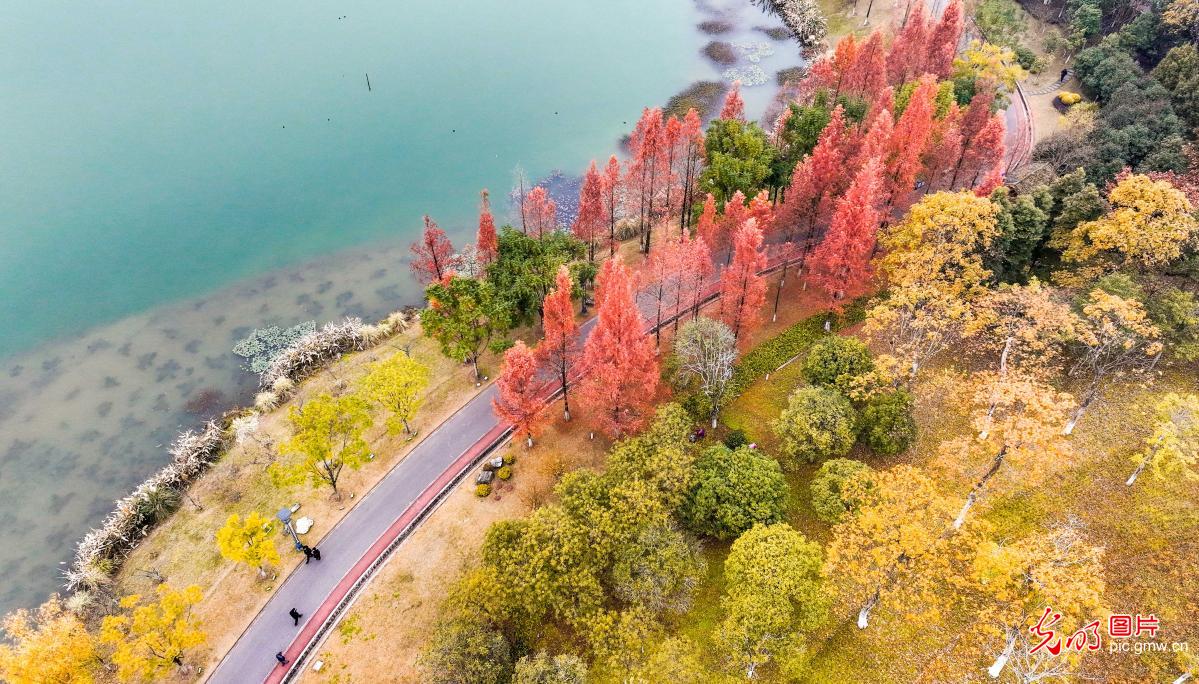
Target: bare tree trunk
864, 613
1092, 392
972, 497
1001, 661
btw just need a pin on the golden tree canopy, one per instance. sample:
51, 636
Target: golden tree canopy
1149, 225
150, 638
47, 646
250, 541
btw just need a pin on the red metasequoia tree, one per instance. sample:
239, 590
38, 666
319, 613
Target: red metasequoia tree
841, 264
876, 143
647, 172
735, 214
487, 243
909, 51
610, 191
869, 73
734, 106
672, 134
661, 278
814, 182
541, 212
742, 290
519, 401
944, 148
908, 143
708, 226
984, 157
559, 348
698, 269
432, 255
761, 209
622, 377
589, 224
943, 43
690, 160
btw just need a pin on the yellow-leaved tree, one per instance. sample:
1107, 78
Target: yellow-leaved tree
1015, 582
989, 62
1173, 446
48, 645
1149, 225
1116, 340
895, 548
326, 437
1017, 415
397, 385
149, 639
932, 271
249, 541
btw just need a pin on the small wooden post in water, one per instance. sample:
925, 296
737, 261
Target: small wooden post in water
368, 83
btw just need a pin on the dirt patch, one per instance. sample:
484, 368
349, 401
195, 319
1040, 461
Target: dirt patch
715, 27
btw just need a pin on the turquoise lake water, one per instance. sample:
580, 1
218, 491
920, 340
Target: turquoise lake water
172, 176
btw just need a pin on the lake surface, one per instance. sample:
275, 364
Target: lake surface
173, 176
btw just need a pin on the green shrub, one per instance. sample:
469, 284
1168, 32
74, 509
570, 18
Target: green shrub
483, 491
504, 473
827, 488
818, 423
732, 490
836, 361
1024, 57
736, 439
886, 424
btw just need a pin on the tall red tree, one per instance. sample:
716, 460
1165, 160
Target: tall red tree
869, 73
646, 171
974, 119
432, 255
841, 264
909, 51
908, 143
589, 224
694, 268
541, 212
672, 135
742, 290
943, 43
559, 348
611, 190
661, 278
735, 214
622, 376
983, 159
486, 242
813, 180
519, 401
708, 226
761, 209
876, 143
944, 148
734, 106
691, 160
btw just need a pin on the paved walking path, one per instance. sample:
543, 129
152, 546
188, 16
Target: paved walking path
358, 543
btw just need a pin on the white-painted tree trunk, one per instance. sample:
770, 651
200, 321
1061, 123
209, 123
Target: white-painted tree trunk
529, 442
864, 613
1001, 661
1136, 473
1186, 676
957, 523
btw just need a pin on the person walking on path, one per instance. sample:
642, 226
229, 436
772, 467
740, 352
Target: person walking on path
295, 615
282, 660
1065, 74
316, 553
308, 553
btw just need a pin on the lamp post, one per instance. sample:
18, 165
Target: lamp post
284, 516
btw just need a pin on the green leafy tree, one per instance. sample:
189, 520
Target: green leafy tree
836, 361
831, 498
250, 541
659, 571
1176, 313
326, 438
398, 385
676, 660
546, 669
464, 316
1023, 228
525, 268
733, 490
774, 595
818, 423
465, 650
739, 158
1179, 73
886, 423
